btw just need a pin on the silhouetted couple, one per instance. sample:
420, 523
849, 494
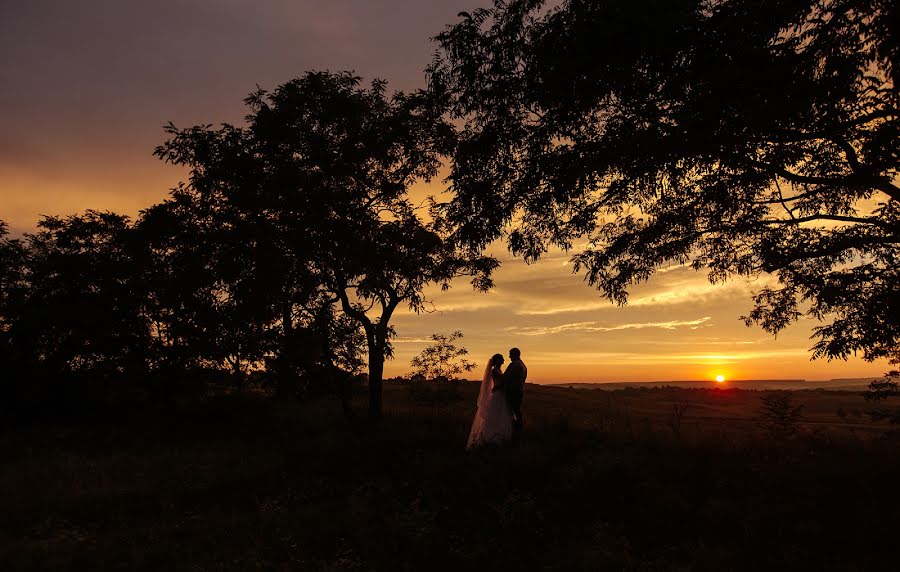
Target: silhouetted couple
498, 417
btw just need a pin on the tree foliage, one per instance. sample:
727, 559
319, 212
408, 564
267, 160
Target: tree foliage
81, 311
217, 285
12, 290
72, 326
319, 178
287, 250
879, 392
442, 360
737, 136
779, 415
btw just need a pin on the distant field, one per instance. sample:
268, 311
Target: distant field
709, 410
713, 409
847, 384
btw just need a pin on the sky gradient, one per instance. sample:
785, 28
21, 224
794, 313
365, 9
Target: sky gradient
87, 87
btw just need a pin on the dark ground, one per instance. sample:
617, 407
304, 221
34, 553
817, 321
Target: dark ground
600, 482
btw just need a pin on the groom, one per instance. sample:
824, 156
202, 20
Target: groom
514, 382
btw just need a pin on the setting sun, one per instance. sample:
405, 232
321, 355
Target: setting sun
720, 378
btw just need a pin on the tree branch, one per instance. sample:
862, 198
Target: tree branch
782, 199
838, 218
855, 179
783, 203
887, 188
348, 308
850, 153
795, 178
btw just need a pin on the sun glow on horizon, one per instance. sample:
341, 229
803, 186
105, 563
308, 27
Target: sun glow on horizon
720, 378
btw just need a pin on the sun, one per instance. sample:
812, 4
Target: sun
720, 378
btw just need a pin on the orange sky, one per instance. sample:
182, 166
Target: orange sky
88, 86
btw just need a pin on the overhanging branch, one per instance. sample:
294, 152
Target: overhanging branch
836, 218
852, 180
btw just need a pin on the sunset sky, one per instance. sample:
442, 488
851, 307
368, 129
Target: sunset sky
88, 85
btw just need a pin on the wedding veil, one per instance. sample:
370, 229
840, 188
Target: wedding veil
485, 387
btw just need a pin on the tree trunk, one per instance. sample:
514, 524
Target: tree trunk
378, 343
376, 337
237, 376
376, 375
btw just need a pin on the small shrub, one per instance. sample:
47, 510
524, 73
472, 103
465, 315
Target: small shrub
779, 416
679, 408
442, 360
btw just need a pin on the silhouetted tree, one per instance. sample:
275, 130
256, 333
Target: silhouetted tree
224, 290
880, 390
12, 291
324, 166
12, 275
214, 286
442, 360
737, 136
77, 310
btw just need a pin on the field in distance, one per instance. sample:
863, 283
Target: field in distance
708, 410
842, 384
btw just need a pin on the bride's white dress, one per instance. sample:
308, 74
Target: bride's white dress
493, 421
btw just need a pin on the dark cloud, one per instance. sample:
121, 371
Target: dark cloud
88, 85
74, 62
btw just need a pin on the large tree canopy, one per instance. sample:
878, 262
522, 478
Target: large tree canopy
319, 180
739, 136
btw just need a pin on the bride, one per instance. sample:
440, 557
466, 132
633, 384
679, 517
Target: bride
493, 421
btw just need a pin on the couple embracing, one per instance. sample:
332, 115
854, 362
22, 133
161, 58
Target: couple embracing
499, 414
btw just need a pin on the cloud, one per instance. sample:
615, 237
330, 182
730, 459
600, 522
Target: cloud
694, 292
409, 340
641, 359
694, 341
735, 357
598, 327
565, 308
461, 298
537, 288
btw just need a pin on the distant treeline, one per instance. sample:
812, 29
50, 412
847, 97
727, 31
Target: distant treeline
95, 307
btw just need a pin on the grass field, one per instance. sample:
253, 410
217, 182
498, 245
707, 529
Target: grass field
711, 411
601, 481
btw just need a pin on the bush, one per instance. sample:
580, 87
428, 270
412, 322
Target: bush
442, 360
779, 416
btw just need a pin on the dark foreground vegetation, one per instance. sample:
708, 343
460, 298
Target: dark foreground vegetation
601, 482
742, 138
